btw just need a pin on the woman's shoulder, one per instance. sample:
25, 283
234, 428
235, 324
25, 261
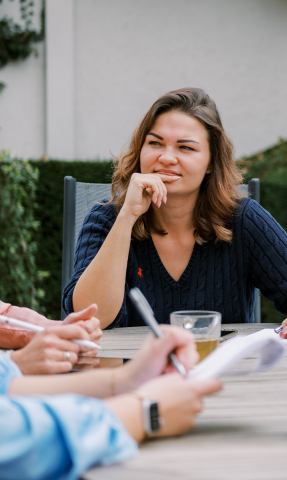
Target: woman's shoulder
249, 209
255, 217
99, 220
101, 212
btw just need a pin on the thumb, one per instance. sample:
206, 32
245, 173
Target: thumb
85, 314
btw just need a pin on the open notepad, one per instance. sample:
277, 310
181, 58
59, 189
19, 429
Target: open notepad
266, 343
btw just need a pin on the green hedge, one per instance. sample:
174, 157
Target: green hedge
50, 214
270, 167
19, 272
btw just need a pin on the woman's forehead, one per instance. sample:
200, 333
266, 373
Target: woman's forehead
179, 124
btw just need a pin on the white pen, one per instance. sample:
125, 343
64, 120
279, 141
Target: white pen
145, 311
37, 328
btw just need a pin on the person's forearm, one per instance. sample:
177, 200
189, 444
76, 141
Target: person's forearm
73, 431
105, 276
128, 409
100, 383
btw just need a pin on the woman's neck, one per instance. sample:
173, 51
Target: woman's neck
176, 216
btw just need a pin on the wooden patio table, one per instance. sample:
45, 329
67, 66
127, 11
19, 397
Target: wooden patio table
240, 435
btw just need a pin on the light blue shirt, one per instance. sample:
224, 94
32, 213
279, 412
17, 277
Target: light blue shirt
56, 437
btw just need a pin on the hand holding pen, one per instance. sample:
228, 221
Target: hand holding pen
147, 315
51, 350
37, 328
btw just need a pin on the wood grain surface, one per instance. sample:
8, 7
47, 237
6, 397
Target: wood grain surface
240, 435
125, 342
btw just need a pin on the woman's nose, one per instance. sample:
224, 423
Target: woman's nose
168, 157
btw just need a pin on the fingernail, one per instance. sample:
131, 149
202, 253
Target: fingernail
155, 200
165, 199
159, 204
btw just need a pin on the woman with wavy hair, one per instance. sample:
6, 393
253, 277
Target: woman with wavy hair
177, 226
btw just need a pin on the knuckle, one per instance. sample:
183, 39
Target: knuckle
46, 340
75, 348
73, 357
47, 353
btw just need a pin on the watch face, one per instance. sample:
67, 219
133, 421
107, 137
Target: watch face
154, 417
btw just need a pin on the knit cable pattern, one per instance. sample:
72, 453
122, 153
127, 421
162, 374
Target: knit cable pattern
218, 277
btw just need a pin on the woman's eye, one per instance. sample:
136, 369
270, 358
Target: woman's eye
184, 147
153, 142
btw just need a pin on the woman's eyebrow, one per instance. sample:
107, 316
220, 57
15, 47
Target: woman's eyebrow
155, 135
186, 140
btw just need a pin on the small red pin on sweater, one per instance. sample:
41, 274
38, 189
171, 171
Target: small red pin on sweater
140, 272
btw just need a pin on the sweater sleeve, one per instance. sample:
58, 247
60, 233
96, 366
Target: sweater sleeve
265, 244
93, 233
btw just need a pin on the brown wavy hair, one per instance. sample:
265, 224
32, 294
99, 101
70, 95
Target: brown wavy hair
219, 194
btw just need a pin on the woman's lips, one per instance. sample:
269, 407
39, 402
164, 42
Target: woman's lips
171, 174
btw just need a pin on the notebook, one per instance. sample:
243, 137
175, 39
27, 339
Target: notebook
266, 343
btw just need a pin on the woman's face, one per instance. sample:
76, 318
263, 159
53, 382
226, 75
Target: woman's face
177, 145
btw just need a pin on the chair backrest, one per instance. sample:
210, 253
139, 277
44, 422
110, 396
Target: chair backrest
87, 194
78, 201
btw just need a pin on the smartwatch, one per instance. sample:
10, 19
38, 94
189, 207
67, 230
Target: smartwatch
151, 418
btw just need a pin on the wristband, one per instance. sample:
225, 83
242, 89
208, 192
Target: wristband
151, 419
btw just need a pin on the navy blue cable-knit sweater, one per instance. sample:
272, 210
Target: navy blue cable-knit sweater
218, 277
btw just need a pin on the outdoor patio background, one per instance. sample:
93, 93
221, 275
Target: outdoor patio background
104, 62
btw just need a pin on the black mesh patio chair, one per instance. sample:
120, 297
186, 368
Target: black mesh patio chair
78, 201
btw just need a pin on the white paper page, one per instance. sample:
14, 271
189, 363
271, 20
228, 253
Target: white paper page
267, 343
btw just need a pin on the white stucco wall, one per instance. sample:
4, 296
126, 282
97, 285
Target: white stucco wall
128, 52
22, 103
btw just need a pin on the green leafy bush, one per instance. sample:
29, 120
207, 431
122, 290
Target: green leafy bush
19, 275
270, 166
49, 213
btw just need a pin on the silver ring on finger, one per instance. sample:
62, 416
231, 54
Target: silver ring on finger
67, 356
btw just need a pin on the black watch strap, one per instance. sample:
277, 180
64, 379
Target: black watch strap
151, 418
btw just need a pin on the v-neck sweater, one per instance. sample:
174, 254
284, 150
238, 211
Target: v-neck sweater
220, 277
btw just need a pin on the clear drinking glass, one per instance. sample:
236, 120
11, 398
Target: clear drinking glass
204, 325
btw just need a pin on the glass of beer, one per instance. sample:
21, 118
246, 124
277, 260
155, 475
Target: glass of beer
204, 325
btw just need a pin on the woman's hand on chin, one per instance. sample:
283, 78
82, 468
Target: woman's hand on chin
144, 189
